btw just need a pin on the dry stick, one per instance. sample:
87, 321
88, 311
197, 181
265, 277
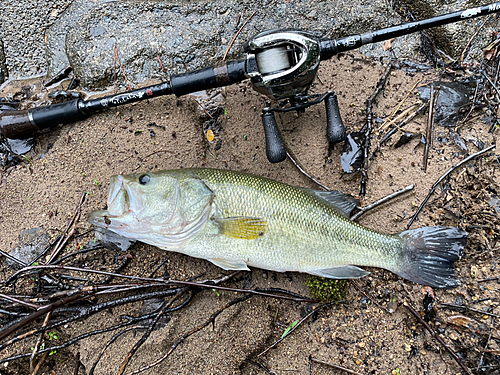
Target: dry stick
485, 346
467, 308
291, 156
367, 129
430, 125
111, 341
161, 64
197, 102
296, 326
399, 117
238, 33
34, 370
7, 332
433, 188
114, 69
462, 56
20, 301
121, 67
406, 97
438, 338
185, 336
82, 312
402, 123
158, 280
362, 210
69, 230
163, 309
335, 366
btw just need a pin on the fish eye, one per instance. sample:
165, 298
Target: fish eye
144, 179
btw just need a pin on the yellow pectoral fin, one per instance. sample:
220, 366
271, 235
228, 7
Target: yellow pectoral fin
246, 228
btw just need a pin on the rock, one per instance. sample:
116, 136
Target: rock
189, 35
451, 38
32, 242
57, 59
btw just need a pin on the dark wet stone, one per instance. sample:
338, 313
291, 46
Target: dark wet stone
452, 97
191, 35
32, 242
111, 240
4, 74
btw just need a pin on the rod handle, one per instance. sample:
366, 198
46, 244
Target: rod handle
275, 148
335, 129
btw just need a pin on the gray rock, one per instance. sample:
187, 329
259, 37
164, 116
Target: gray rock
191, 35
32, 242
452, 38
57, 59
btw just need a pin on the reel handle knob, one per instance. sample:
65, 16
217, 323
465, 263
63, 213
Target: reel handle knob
335, 130
275, 148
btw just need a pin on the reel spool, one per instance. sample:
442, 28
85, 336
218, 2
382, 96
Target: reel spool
282, 63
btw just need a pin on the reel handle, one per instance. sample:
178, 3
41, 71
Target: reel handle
275, 148
335, 129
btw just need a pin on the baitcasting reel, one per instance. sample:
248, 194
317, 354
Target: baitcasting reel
282, 64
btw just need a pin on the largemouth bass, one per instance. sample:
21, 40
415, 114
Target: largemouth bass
236, 220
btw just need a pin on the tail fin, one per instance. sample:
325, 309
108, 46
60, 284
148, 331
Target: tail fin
430, 253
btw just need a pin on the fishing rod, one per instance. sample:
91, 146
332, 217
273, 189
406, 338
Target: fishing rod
281, 64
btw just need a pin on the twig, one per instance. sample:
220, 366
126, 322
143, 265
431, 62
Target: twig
399, 117
485, 346
402, 123
69, 230
161, 64
185, 336
406, 97
367, 295
335, 366
20, 301
466, 308
111, 341
163, 309
365, 209
438, 338
121, 67
367, 128
462, 56
473, 156
296, 326
34, 370
430, 125
291, 156
15, 260
32, 317
157, 280
197, 102
238, 33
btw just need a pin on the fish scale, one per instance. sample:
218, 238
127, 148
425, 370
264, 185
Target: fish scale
236, 220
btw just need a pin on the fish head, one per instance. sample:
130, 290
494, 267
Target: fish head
138, 202
150, 207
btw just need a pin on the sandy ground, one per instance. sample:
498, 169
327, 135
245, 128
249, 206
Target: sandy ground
357, 334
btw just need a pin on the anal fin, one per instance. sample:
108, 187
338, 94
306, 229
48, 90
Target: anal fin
226, 264
342, 272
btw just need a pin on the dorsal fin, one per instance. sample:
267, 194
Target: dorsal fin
343, 203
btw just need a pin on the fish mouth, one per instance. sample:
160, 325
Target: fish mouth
118, 204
